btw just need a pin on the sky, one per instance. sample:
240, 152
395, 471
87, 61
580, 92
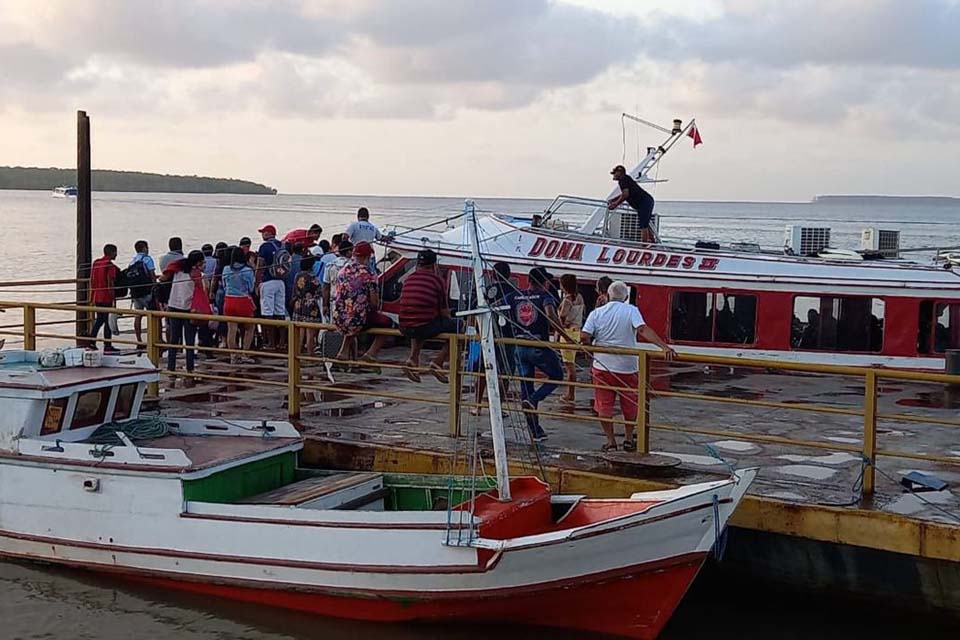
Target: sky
512, 98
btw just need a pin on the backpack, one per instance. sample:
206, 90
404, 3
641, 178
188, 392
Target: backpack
161, 289
119, 286
281, 263
137, 279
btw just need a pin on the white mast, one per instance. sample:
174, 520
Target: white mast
489, 350
654, 154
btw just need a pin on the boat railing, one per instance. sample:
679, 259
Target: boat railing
301, 377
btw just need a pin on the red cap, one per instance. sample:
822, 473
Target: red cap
268, 228
362, 250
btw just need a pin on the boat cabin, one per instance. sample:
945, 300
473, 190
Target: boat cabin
88, 418
802, 305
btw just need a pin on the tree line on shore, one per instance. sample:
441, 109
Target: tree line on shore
46, 178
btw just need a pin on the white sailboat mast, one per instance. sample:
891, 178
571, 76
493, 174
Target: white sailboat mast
489, 350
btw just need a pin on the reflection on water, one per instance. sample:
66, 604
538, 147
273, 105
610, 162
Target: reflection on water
62, 604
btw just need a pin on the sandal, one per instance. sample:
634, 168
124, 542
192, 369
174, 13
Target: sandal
608, 447
630, 445
410, 371
373, 364
439, 373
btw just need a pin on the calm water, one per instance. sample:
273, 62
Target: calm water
56, 604
41, 236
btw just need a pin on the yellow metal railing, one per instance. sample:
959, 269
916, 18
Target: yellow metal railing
293, 361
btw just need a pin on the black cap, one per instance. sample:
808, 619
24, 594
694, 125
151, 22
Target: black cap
344, 247
426, 257
540, 275
619, 167
245, 241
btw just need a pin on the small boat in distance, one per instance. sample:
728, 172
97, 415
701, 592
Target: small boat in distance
64, 192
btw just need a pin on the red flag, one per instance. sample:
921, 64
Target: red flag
695, 134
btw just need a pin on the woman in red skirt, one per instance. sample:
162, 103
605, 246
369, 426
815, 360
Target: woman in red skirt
238, 283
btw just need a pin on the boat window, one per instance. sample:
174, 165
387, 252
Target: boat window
691, 317
713, 317
939, 327
53, 416
837, 324
125, 397
91, 408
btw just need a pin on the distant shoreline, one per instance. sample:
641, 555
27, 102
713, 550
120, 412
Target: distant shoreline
888, 200
48, 178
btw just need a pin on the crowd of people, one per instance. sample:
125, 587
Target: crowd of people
551, 308
299, 276
334, 281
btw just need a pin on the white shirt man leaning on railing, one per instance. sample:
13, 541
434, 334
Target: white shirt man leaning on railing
618, 324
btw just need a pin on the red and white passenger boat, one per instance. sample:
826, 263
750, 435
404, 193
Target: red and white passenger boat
221, 508
805, 303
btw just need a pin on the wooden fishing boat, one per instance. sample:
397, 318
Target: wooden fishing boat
220, 507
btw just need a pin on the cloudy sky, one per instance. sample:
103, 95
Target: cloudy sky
492, 97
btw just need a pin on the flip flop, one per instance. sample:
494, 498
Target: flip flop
372, 364
411, 372
439, 374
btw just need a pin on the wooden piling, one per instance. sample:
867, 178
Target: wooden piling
84, 210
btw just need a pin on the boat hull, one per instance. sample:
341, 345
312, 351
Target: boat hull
634, 602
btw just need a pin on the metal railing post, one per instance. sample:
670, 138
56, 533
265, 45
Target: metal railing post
454, 387
293, 370
29, 327
643, 404
869, 432
153, 351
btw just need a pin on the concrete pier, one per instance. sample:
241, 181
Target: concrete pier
805, 521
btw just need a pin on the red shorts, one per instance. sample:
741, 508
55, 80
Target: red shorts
604, 400
238, 306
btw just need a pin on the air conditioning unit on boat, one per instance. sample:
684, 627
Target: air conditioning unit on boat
805, 241
886, 242
624, 224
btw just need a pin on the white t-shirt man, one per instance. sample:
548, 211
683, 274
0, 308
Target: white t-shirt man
363, 231
615, 324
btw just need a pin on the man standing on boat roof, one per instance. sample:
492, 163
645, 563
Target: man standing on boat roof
634, 195
364, 231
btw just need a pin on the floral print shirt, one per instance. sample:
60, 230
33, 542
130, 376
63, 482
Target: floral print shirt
352, 290
305, 304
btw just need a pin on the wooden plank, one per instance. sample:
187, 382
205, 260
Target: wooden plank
311, 489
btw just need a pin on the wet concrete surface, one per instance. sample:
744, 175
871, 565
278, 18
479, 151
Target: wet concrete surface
788, 472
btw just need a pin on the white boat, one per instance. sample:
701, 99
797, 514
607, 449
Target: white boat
220, 507
870, 307
65, 192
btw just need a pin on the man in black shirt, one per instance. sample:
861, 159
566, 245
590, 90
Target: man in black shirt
636, 197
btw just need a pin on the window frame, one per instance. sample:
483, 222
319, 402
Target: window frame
932, 352
820, 296
101, 417
116, 400
713, 317
64, 411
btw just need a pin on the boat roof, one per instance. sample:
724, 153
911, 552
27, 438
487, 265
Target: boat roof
23, 370
522, 245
